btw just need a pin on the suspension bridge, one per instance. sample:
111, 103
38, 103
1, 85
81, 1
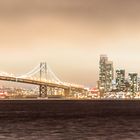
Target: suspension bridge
45, 78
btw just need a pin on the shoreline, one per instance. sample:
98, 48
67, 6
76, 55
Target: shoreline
68, 108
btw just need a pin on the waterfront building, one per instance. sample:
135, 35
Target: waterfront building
105, 74
133, 81
138, 84
127, 85
120, 80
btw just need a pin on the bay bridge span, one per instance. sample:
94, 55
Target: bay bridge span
45, 78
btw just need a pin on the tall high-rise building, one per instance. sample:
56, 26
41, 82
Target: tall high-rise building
109, 75
102, 72
120, 79
105, 74
133, 81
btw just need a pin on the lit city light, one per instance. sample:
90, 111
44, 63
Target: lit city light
112, 84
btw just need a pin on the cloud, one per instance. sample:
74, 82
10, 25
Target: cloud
69, 34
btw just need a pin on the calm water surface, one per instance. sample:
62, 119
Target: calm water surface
89, 128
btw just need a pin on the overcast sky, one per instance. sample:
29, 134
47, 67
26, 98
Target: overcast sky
69, 35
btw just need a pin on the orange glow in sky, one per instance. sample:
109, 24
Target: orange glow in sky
69, 35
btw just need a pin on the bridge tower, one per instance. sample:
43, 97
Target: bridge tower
43, 76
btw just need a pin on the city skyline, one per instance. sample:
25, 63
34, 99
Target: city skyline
116, 80
69, 36
69, 69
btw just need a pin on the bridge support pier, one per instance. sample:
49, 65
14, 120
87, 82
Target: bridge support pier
43, 91
67, 92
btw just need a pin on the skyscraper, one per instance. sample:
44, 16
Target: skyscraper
109, 75
133, 81
120, 79
105, 74
102, 72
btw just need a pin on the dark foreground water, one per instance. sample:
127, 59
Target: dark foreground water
56, 120
108, 128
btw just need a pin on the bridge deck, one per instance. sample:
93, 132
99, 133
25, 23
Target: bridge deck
35, 82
